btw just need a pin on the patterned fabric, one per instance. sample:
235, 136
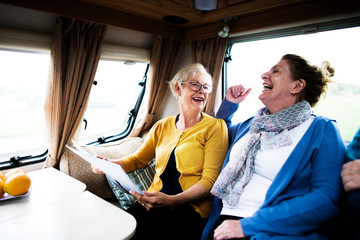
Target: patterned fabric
142, 177
234, 177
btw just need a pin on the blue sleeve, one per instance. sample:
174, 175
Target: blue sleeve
353, 150
353, 153
226, 112
214, 214
311, 236
311, 198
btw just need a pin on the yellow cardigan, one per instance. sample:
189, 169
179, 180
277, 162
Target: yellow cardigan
200, 153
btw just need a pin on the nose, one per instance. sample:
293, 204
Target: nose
265, 75
202, 90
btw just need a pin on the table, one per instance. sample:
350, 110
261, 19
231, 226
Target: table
47, 187
78, 214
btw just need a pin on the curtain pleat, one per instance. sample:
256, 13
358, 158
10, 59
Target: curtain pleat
74, 59
210, 53
163, 57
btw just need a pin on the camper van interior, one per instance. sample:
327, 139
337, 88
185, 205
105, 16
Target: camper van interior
96, 72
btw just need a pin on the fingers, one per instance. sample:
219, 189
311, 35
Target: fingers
96, 170
229, 229
135, 194
142, 200
350, 185
143, 204
237, 90
153, 199
351, 182
351, 175
237, 93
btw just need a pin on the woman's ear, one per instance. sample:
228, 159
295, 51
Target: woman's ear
177, 89
298, 86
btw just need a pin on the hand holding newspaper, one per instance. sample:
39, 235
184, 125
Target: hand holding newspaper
112, 170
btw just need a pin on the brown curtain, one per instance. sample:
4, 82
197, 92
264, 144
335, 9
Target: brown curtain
210, 52
74, 59
163, 56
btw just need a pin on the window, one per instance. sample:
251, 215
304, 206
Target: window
24, 62
23, 81
114, 94
339, 47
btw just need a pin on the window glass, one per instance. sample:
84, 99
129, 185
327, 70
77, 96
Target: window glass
111, 99
339, 47
23, 78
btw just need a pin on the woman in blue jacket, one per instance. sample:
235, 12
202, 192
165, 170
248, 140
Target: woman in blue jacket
281, 177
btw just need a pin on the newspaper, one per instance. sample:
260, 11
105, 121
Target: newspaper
113, 171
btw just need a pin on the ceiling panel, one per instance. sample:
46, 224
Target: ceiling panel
148, 16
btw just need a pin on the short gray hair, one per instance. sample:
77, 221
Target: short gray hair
186, 73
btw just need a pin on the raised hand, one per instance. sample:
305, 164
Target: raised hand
237, 94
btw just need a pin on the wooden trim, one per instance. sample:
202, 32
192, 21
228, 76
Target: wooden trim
247, 8
97, 14
290, 16
153, 11
280, 14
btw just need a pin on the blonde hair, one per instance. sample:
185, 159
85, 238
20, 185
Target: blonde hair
186, 73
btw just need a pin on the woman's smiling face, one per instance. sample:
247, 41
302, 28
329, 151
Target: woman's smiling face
278, 87
193, 100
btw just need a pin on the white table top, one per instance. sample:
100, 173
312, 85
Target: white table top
81, 216
47, 187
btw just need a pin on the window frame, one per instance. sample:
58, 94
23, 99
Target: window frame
34, 46
34, 42
17, 161
285, 32
132, 116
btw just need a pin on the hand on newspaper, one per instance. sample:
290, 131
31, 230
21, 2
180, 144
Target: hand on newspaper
95, 169
153, 199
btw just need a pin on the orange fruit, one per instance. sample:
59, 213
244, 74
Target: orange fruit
2, 183
12, 171
17, 184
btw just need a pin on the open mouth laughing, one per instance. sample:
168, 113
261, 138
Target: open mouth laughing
198, 99
267, 86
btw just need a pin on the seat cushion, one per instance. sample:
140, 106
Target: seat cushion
80, 169
142, 177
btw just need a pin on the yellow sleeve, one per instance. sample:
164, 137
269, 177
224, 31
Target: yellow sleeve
215, 152
143, 155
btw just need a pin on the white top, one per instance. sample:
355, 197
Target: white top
273, 153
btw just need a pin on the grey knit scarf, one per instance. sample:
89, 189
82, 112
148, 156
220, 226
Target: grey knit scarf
236, 174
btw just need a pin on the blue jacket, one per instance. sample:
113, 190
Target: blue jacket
353, 153
305, 194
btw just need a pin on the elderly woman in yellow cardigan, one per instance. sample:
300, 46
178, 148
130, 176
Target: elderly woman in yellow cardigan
189, 149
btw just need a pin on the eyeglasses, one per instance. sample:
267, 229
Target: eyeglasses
195, 86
